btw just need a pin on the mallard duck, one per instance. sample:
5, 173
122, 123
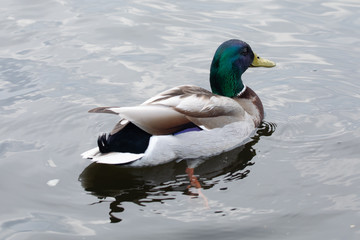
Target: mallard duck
187, 122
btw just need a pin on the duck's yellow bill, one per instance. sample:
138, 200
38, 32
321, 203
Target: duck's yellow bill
262, 62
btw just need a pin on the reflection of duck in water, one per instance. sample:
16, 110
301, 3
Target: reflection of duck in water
188, 122
152, 184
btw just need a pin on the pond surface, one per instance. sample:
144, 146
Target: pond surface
298, 178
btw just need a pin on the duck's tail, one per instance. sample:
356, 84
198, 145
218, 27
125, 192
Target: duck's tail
112, 157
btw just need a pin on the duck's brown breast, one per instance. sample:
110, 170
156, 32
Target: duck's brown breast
252, 105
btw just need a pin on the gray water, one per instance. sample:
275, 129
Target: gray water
298, 178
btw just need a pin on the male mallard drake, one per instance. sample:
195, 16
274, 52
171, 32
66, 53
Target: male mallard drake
187, 121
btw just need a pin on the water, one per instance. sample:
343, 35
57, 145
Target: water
297, 179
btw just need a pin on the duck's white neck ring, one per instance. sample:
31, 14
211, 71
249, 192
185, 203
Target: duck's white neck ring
242, 91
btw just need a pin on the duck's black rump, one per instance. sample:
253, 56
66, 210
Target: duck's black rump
130, 139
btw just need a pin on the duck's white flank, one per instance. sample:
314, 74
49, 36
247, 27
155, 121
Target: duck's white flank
190, 145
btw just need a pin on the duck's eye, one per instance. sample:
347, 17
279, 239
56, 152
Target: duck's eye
244, 52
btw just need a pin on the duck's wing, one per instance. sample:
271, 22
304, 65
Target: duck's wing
173, 109
120, 125
155, 119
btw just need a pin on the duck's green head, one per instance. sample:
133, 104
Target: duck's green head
230, 61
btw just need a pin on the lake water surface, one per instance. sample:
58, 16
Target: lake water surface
298, 178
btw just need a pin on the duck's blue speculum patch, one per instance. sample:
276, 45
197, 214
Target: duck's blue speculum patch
191, 129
